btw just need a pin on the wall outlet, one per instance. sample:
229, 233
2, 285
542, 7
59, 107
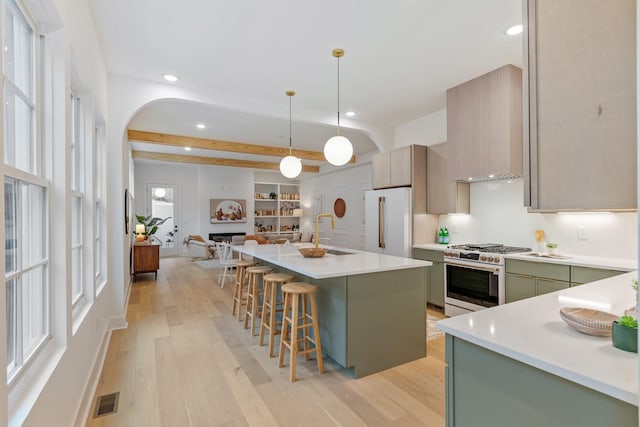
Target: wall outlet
582, 232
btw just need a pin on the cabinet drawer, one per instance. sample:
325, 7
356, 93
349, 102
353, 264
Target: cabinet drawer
428, 255
519, 287
581, 275
538, 269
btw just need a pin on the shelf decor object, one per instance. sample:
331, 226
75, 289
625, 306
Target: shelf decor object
290, 166
338, 149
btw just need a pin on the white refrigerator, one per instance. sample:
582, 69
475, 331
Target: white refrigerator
388, 218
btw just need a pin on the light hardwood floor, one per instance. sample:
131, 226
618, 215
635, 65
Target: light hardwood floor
185, 361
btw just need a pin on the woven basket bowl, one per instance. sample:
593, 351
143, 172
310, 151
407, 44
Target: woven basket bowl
588, 321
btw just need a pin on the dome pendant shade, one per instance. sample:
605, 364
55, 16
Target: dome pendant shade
338, 150
290, 166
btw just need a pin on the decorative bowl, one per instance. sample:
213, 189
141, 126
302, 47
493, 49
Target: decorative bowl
313, 252
588, 321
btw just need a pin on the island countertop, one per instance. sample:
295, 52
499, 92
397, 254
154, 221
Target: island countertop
532, 332
356, 262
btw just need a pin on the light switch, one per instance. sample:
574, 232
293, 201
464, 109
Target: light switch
582, 232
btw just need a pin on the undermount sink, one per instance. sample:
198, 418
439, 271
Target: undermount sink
337, 252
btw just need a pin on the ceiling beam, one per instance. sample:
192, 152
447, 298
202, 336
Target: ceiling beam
214, 144
215, 161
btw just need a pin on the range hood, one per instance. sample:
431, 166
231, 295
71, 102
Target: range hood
484, 127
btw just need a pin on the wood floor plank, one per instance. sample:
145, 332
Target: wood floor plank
185, 361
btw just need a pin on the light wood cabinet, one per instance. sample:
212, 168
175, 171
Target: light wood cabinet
484, 126
580, 105
146, 259
443, 195
402, 167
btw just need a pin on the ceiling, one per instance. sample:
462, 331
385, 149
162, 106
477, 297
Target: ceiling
400, 58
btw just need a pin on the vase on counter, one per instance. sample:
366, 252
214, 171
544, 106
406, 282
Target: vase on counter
624, 337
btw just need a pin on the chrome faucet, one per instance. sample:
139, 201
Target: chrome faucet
333, 224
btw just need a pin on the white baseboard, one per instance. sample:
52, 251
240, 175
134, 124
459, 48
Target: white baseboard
114, 323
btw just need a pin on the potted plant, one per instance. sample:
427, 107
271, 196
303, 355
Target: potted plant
151, 224
625, 334
552, 248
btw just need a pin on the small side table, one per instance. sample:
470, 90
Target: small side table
146, 259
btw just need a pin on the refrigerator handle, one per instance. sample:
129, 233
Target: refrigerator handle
381, 201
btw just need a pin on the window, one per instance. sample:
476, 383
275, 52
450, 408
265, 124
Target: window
100, 252
25, 195
77, 199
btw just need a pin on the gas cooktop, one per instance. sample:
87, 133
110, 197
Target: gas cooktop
494, 248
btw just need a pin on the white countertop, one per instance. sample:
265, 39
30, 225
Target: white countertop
357, 262
582, 261
531, 331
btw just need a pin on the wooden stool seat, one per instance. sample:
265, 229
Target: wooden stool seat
294, 294
271, 306
238, 287
253, 295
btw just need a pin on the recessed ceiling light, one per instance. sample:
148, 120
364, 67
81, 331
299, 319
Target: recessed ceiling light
187, 148
171, 78
492, 176
515, 30
350, 113
470, 178
200, 126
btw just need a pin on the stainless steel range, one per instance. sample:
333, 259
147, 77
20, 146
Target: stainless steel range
474, 276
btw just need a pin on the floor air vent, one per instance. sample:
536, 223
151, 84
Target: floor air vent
107, 404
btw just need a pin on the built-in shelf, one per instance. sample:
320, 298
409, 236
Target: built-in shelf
274, 206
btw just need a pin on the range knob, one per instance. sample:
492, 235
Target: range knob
496, 259
483, 258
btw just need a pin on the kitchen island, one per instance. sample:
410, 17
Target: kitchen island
370, 306
520, 364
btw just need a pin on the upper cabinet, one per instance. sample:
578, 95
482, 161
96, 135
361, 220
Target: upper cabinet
403, 167
580, 101
484, 126
443, 195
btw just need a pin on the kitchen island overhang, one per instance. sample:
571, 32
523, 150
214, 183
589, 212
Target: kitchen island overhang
371, 307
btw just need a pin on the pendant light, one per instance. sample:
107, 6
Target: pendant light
338, 149
290, 166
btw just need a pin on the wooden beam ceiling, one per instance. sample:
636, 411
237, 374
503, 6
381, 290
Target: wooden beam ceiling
215, 161
214, 144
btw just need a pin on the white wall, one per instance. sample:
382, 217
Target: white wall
196, 186
498, 216
426, 130
348, 184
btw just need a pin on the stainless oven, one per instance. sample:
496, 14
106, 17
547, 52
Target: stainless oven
471, 285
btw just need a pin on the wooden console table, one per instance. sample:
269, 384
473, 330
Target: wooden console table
146, 259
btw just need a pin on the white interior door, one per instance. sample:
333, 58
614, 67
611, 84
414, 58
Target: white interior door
161, 202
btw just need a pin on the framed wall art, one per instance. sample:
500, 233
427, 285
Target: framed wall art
228, 211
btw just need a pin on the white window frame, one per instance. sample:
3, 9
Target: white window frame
34, 177
77, 146
99, 214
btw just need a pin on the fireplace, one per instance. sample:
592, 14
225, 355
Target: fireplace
224, 237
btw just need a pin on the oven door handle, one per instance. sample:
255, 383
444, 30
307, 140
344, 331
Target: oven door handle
494, 269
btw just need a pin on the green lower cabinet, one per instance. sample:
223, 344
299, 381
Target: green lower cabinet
582, 275
519, 287
435, 285
484, 388
545, 286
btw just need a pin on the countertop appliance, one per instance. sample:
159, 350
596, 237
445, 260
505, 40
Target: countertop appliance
474, 276
388, 218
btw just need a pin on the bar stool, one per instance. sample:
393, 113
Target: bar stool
294, 293
270, 306
238, 288
254, 293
